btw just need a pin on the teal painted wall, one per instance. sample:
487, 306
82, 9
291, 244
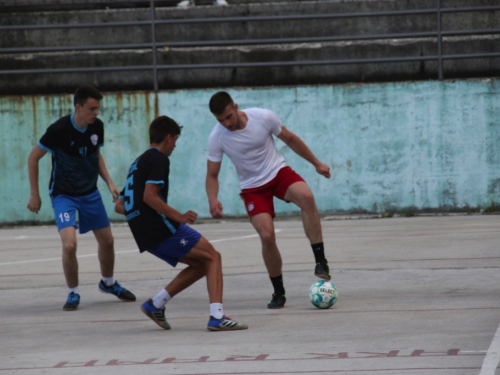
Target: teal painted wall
391, 147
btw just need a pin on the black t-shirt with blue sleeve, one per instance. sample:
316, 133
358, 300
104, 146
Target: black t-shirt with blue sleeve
148, 226
75, 156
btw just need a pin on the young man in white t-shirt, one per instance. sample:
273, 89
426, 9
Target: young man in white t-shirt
246, 137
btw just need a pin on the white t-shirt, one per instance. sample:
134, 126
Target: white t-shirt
252, 149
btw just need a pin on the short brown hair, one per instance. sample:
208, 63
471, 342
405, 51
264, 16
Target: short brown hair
83, 93
219, 101
162, 126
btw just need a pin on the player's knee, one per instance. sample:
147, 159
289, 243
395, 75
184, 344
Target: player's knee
307, 200
215, 256
267, 237
69, 247
107, 242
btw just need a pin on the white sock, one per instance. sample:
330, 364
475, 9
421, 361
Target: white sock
108, 280
74, 290
161, 299
216, 310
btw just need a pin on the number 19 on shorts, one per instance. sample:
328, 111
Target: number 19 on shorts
64, 216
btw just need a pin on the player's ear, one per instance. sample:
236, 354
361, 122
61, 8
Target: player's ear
169, 138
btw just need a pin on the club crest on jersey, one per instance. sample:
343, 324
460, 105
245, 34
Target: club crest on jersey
250, 206
184, 242
94, 138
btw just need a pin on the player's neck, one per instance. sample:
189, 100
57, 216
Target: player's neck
242, 120
82, 124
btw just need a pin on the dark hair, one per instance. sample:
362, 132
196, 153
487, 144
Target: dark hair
161, 127
82, 94
219, 101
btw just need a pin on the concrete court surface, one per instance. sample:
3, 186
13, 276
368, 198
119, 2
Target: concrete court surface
417, 295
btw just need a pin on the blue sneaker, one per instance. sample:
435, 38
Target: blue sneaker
224, 324
72, 302
117, 290
155, 314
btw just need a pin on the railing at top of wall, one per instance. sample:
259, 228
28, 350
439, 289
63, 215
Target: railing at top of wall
153, 44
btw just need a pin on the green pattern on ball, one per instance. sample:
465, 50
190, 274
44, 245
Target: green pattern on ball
323, 294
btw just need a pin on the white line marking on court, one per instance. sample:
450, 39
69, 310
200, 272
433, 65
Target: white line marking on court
115, 234
121, 252
492, 358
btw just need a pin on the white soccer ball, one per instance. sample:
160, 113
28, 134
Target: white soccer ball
323, 294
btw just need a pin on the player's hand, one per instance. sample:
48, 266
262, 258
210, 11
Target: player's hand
115, 192
189, 217
323, 170
34, 204
216, 209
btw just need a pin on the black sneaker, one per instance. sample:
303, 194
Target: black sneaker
117, 290
277, 302
322, 270
72, 302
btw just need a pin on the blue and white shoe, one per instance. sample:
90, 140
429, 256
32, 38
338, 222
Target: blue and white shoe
117, 290
155, 314
72, 302
224, 324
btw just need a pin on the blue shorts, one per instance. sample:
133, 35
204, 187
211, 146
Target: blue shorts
176, 246
91, 212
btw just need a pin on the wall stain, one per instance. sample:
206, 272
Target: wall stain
33, 105
157, 105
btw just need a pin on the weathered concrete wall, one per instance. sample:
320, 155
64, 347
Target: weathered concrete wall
398, 146
191, 76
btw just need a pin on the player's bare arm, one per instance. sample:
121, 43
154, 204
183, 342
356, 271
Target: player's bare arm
300, 148
35, 202
152, 199
103, 172
212, 187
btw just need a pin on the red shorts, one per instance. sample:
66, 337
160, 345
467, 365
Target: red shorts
260, 199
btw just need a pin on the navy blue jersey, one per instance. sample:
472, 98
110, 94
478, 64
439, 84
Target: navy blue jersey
75, 156
148, 226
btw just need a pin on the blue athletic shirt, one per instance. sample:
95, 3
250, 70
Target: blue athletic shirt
148, 226
75, 157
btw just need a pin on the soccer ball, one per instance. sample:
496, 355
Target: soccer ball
323, 294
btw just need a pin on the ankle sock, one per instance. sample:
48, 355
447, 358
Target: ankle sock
161, 299
108, 281
216, 310
319, 252
278, 286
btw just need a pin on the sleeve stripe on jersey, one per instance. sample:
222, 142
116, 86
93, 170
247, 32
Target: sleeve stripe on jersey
155, 182
44, 148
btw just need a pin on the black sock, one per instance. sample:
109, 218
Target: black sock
319, 252
278, 286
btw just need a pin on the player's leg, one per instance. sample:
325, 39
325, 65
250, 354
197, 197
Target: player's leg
93, 217
300, 194
189, 247
69, 259
105, 250
210, 258
65, 215
154, 307
204, 253
106, 256
264, 225
260, 208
